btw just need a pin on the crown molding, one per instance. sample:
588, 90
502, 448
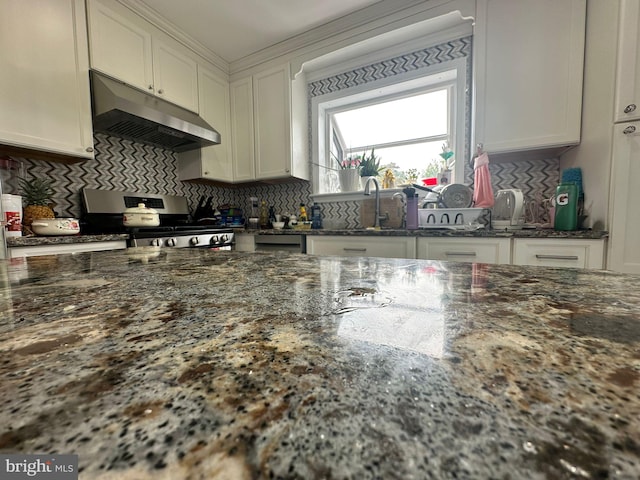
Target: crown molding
169, 28
382, 47
382, 17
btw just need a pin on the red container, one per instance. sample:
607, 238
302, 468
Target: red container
430, 182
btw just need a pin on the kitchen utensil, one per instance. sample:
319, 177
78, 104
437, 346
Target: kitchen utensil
278, 225
140, 216
508, 210
199, 212
454, 195
55, 226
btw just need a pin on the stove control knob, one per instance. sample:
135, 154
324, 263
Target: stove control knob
224, 238
172, 242
156, 242
194, 240
214, 240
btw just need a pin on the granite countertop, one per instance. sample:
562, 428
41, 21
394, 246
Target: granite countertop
35, 240
443, 232
205, 365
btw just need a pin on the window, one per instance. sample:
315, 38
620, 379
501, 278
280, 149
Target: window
407, 133
407, 122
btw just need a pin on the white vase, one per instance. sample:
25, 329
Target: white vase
349, 180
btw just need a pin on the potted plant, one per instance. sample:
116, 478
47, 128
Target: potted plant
369, 166
348, 173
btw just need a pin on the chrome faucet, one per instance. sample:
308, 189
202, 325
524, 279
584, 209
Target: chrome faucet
367, 191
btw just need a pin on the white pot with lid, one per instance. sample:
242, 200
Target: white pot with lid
55, 226
140, 216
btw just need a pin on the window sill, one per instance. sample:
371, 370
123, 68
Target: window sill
351, 196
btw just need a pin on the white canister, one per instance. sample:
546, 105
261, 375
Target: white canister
12, 214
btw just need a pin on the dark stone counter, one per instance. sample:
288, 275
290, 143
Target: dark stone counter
208, 365
36, 240
441, 232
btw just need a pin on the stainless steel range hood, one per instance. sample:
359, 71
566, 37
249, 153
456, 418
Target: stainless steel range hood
123, 111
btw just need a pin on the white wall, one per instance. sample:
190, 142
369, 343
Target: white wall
593, 155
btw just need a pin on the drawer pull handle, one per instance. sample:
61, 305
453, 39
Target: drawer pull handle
460, 254
630, 108
348, 249
556, 257
629, 129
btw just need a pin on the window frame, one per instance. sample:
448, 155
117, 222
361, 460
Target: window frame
452, 74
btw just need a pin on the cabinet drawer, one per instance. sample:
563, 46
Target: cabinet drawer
559, 253
390, 247
480, 250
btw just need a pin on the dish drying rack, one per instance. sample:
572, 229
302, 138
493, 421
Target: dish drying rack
454, 218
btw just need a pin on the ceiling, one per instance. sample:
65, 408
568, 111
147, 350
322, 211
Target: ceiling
234, 29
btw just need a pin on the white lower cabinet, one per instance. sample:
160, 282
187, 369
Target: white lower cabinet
549, 252
390, 247
480, 250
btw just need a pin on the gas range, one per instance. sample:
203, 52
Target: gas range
182, 237
102, 213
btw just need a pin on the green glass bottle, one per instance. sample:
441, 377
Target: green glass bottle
566, 207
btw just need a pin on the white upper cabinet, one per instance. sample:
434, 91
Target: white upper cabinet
175, 72
269, 126
127, 47
242, 130
216, 161
120, 44
272, 122
627, 106
45, 104
529, 58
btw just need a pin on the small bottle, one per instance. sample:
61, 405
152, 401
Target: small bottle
566, 207
264, 215
412, 208
316, 217
303, 213
272, 216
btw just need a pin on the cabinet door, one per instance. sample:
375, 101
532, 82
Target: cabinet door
175, 72
628, 74
476, 250
624, 246
216, 161
549, 252
242, 130
272, 123
389, 247
528, 73
120, 44
45, 103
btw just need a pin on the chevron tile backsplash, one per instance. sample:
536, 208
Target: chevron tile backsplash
125, 165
